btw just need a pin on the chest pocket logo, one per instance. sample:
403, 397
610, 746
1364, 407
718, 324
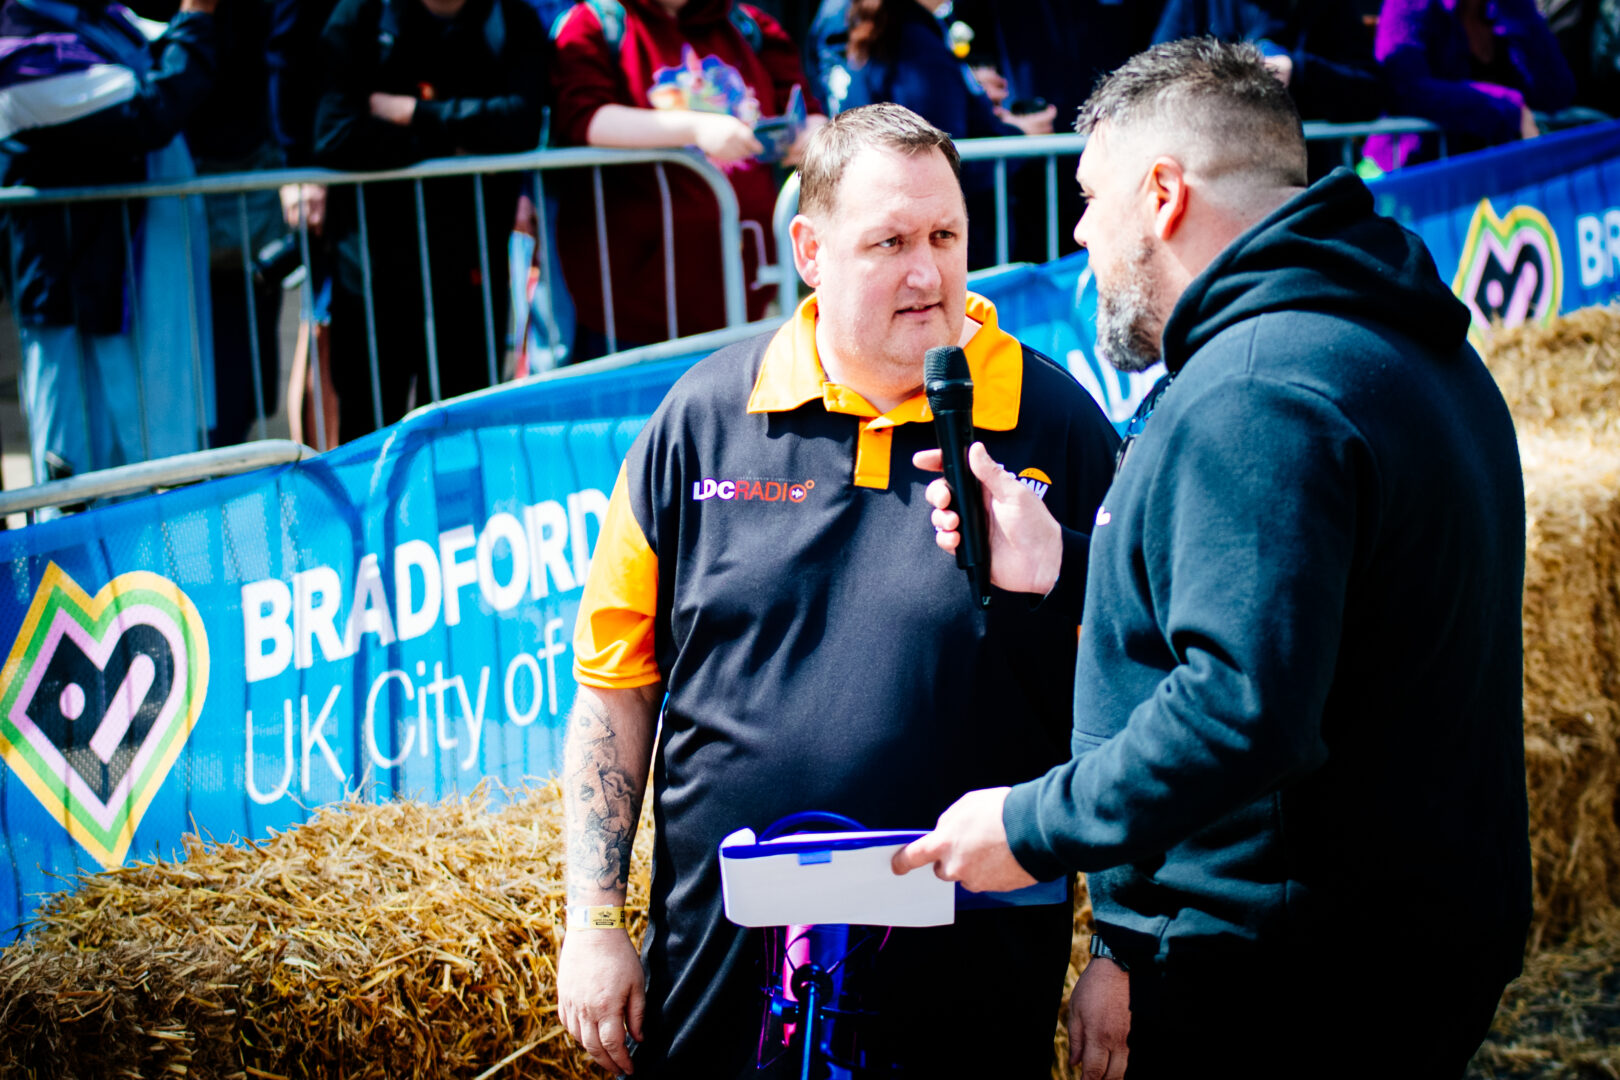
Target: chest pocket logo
1036, 481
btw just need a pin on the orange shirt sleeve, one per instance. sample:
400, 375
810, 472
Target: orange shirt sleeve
614, 646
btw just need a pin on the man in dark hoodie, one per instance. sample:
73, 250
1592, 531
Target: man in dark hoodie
1297, 779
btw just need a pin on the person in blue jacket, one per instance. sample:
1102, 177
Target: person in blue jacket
896, 51
1297, 773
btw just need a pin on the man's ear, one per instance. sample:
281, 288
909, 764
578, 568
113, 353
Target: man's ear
1167, 196
806, 249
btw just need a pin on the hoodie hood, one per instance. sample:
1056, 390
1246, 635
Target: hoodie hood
1325, 251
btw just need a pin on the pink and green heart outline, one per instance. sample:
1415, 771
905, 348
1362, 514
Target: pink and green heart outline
61, 609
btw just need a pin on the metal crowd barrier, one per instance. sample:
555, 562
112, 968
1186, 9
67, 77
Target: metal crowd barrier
1051, 147
144, 476
538, 162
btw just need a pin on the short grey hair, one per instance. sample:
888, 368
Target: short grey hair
1219, 94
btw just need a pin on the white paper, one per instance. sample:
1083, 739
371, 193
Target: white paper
855, 886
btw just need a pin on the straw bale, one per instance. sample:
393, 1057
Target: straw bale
375, 940
1562, 383
1564, 376
1572, 676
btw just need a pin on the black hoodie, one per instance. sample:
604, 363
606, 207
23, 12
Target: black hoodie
1298, 694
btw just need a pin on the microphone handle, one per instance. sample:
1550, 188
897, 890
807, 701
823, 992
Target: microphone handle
955, 429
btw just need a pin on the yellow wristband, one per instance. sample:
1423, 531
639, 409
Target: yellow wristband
603, 917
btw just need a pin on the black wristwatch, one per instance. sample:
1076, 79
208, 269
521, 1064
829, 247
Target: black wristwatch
1098, 948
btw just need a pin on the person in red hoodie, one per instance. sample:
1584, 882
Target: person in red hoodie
603, 80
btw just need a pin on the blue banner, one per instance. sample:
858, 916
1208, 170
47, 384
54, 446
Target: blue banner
395, 617
1522, 232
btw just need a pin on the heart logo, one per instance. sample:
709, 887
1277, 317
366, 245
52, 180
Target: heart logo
1510, 269
97, 699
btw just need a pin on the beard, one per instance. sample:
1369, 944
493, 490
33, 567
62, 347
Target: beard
1129, 329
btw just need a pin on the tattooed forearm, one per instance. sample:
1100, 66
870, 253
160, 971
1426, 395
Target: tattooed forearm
604, 777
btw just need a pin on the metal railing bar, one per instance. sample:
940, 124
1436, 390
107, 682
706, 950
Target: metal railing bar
192, 319
602, 261
483, 271
370, 303
252, 308
135, 329
307, 293
664, 350
644, 354
731, 263
787, 207
158, 473
427, 295
538, 160
23, 389
669, 252
1003, 241
542, 252
572, 157
80, 360
1051, 208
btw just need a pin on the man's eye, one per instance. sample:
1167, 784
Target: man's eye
891, 242
944, 235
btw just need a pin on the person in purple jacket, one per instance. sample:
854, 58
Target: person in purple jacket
1478, 68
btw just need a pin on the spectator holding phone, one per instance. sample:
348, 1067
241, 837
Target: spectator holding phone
608, 59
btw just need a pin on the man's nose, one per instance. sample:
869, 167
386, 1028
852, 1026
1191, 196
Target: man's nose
1079, 231
923, 275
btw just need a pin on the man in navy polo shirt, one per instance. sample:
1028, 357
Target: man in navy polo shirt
764, 564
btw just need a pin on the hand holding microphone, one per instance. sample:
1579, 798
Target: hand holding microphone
948, 382
1024, 548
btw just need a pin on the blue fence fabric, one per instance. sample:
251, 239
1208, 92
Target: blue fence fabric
396, 616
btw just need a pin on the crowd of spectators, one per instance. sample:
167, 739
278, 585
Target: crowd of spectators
117, 360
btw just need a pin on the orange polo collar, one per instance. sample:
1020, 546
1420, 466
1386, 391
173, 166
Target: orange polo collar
791, 374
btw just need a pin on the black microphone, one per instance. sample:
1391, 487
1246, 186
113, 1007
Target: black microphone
949, 386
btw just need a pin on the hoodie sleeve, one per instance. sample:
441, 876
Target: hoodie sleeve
1248, 544
585, 76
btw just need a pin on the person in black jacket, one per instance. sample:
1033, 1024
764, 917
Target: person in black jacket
108, 371
403, 81
1297, 780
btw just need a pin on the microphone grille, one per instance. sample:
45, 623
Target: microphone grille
945, 362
